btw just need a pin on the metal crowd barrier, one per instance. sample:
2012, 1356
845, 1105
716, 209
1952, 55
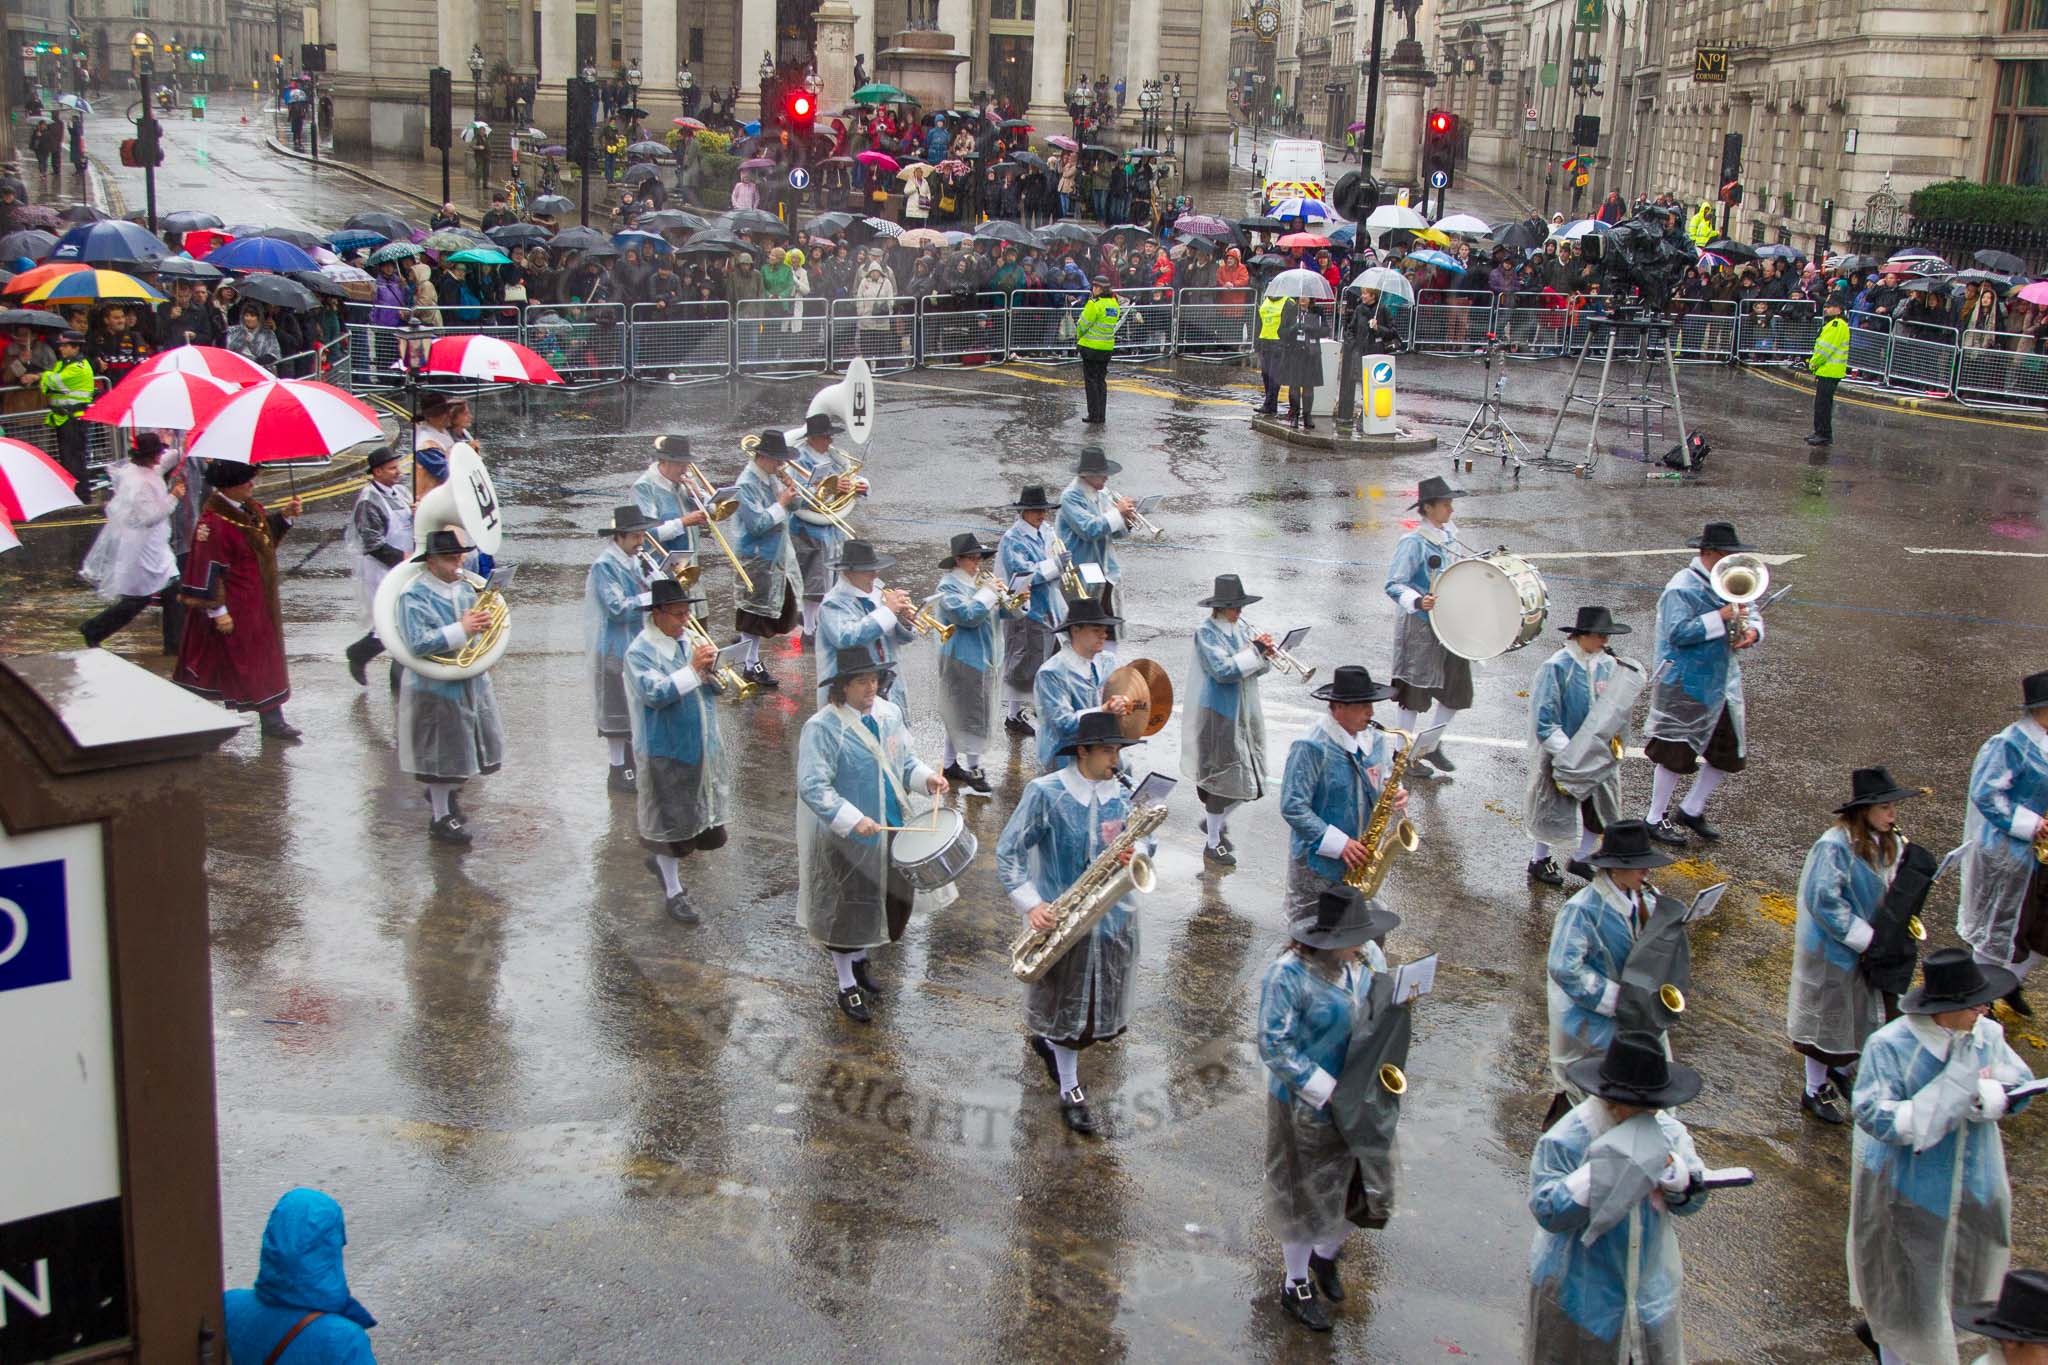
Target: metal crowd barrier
951, 334
2001, 374
1706, 333
1216, 324
585, 342
1776, 331
1923, 359
1146, 332
782, 337
681, 343
1450, 320
1870, 347
1042, 323
882, 331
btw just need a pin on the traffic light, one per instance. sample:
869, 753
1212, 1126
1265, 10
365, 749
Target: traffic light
197, 54
441, 108
800, 111
582, 108
1439, 147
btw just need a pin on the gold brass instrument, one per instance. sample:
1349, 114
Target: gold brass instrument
466, 501
816, 502
1093, 895
1393, 1078
715, 510
724, 679
1740, 580
1151, 695
1005, 598
1280, 658
491, 603
1383, 842
1672, 998
927, 623
654, 560
1915, 929
1071, 582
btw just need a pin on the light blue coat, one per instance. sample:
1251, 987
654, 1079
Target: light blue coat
1560, 701
850, 619
611, 618
1589, 943
967, 661
684, 784
2009, 775
1091, 526
764, 545
1829, 1004
838, 781
1027, 551
1066, 686
663, 501
1410, 567
300, 1272
1325, 788
1695, 672
1420, 659
448, 729
1305, 1021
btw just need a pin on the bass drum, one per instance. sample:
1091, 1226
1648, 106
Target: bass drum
1488, 606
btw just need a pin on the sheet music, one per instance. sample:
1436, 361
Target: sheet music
1291, 641
1949, 860
1425, 740
2026, 1088
502, 575
1092, 574
1155, 788
1414, 979
1728, 1177
1705, 902
1149, 504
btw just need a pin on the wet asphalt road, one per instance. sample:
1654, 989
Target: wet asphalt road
564, 1128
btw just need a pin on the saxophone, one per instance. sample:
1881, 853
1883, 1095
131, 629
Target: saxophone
1100, 887
1384, 844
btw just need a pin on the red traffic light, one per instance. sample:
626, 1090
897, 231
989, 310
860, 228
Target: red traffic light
801, 107
1439, 123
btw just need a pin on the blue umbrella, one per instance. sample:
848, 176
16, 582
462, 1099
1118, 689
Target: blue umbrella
1442, 260
1343, 236
646, 241
350, 239
112, 240
260, 253
1312, 210
1571, 232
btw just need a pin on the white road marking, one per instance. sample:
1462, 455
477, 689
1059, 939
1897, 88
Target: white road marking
1981, 554
1628, 554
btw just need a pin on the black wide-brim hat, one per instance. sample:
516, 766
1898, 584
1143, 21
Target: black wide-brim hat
851, 663
1093, 461
820, 424
1719, 535
1873, 787
2034, 691
675, 448
2019, 1313
628, 521
1344, 919
773, 444
1032, 498
1434, 489
1626, 844
966, 543
1229, 592
1595, 621
1096, 728
1087, 612
1635, 1071
378, 458
1951, 979
442, 542
666, 592
1352, 683
859, 556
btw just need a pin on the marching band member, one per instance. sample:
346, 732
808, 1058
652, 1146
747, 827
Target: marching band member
2003, 915
1029, 560
1223, 744
380, 533
860, 614
1589, 944
659, 495
769, 608
1560, 699
1330, 787
683, 772
611, 618
1424, 671
1615, 1298
1311, 994
1091, 521
1696, 708
967, 661
1930, 1209
448, 731
2016, 1322
1070, 682
818, 544
1831, 1007
1063, 823
433, 436
855, 771
231, 574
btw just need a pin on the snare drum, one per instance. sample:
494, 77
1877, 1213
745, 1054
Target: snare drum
1487, 606
934, 858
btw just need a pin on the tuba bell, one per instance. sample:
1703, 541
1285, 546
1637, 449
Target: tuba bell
1740, 579
467, 502
1671, 998
851, 400
1393, 1078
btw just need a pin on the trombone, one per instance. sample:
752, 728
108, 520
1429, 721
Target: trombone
656, 560
1071, 582
1009, 600
724, 680
715, 510
1280, 658
816, 501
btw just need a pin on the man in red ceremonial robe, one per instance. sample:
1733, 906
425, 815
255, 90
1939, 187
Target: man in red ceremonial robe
233, 648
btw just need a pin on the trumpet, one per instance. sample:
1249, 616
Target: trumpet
1007, 599
724, 679
1140, 525
925, 623
1281, 659
655, 561
816, 501
715, 510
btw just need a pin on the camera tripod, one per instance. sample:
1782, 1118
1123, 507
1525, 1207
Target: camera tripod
1488, 433
1638, 398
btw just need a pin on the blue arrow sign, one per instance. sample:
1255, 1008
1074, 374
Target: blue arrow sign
1439, 179
799, 178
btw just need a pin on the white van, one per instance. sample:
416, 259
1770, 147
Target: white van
1296, 168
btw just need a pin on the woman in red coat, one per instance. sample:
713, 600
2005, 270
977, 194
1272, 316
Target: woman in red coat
235, 654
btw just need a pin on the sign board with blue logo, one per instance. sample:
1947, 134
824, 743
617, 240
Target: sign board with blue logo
1439, 179
799, 178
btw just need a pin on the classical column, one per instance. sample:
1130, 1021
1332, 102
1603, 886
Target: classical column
1143, 58
557, 41
1207, 156
867, 44
658, 64
757, 35
455, 30
957, 18
1049, 65
833, 23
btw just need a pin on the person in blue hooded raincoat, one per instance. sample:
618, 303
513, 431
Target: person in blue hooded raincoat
1070, 682
855, 774
1091, 521
448, 729
300, 1276
1930, 1208
2003, 914
1424, 671
611, 618
660, 496
684, 772
765, 605
968, 664
1065, 821
1030, 559
1561, 702
860, 613
1614, 1300
1831, 1007
1696, 706
1589, 945
1223, 738
1334, 778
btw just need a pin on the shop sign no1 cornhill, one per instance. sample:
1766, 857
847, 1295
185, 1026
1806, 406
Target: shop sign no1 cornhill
1710, 65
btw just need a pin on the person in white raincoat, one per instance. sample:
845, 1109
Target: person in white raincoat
818, 542
1930, 1209
448, 730
683, 772
855, 772
130, 561
968, 665
1223, 735
380, 537
1832, 1007
659, 495
1070, 682
1030, 561
859, 613
2003, 914
1613, 1300
611, 618
1424, 672
1561, 699
765, 606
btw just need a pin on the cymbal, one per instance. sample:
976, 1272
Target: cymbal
1151, 694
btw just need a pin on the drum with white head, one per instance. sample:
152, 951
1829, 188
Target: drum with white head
1488, 606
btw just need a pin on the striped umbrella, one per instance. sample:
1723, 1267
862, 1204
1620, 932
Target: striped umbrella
31, 484
94, 285
487, 357
171, 399
208, 362
1309, 210
284, 419
41, 275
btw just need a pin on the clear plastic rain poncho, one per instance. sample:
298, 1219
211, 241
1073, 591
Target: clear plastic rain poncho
844, 772
1062, 824
817, 543
1025, 554
1067, 685
968, 661
1589, 944
1090, 525
1420, 659
1930, 1211
663, 502
683, 774
1830, 1005
851, 619
447, 731
383, 522
1561, 700
611, 618
1615, 1300
1223, 735
131, 556
1695, 675
764, 546
1327, 795
2010, 774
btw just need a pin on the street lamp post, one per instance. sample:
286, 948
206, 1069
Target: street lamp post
1372, 91
1173, 116
476, 82
633, 79
147, 129
1584, 81
767, 75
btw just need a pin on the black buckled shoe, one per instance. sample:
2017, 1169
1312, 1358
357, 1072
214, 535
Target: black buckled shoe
759, 676
1018, 726
1669, 831
680, 910
449, 829
622, 779
1439, 760
2017, 1003
1223, 842
1219, 856
1044, 1051
275, 726
1302, 1305
1868, 1338
1545, 870
978, 783
853, 1006
1325, 1273
1074, 1110
1825, 1104
1580, 868
957, 775
1697, 824
861, 977
359, 662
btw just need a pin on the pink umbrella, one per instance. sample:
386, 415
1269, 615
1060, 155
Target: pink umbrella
170, 399
483, 357
690, 124
1304, 239
757, 163
284, 419
211, 362
31, 483
881, 160
2037, 292
1063, 142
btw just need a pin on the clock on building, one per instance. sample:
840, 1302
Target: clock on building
1267, 21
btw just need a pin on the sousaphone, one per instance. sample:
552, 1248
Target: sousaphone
1151, 694
467, 500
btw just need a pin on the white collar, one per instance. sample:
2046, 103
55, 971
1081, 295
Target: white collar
228, 500
958, 576
440, 588
397, 492
873, 594
2032, 730
1931, 1035
1350, 744
1621, 900
1075, 655
654, 473
1581, 657
660, 639
1594, 1113
1084, 791
611, 547
1438, 535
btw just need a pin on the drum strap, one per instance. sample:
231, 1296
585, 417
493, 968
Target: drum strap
852, 719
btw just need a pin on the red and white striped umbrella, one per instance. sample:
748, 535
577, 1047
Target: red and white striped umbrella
482, 357
210, 361
31, 484
172, 399
284, 419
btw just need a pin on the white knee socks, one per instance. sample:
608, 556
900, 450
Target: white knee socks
843, 964
1215, 827
671, 872
1663, 784
1295, 1254
750, 651
1404, 719
1441, 715
1068, 1062
439, 793
1328, 1250
1542, 851
1588, 841
1695, 803
1816, 1075
810, 617
617, 744
1014, 701
952, 754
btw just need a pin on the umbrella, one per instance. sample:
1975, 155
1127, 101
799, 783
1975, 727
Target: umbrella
648, 148
1442, 260
691, 125
485, 357
954, 166
304, 241
1262, 224
1987, 277
757, 163
1386, 281
395, 251
645, 241
881, 161
916, 170
1850, 262
171, 399
1710, 260
261, 253
31, 317
390, 224
518, 234
1345, 234
114, 240
2037, 292
31, 244
30, 280
640, 171
1003, 230
876, 92
487, 255
1303, 240
554, 149
1732, 249
1299, 284
826, 224
1032, 159
919, 238
209, 362
1294, 206
754, 220
1920, 285
284, 419
73, 102
672, 220
1523, 235
632, 111
553, 205
1571, 232
1779, 251
455, 239
1063, 142
1392, 216
1915, 253
1010, 123
1357, 126
355, 239
713, 243
81, 213
31, 484
1097, 149
882, 227
186, 220
477, 131
319, 282
345, 274
2004, 262
276, 290
1143, 153
93, 286
1130, 230
37, 216
1078, 233
1464, 224
579, 239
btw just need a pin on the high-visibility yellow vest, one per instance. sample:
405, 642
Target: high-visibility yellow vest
1269, 318
1830, 359
1097, 328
